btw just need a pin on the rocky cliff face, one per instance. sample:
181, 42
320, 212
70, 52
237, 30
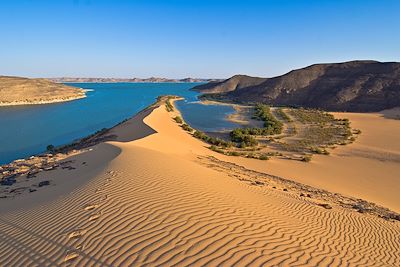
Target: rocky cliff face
351, 86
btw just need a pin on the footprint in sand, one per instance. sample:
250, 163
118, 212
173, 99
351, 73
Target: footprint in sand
91, 207
76, 233
94, 217
71, 255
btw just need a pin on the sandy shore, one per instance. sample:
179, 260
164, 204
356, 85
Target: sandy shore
148, 199
40, 102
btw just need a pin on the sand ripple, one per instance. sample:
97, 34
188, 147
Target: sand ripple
157, 215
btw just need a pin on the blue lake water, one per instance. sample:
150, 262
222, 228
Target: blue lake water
27, 130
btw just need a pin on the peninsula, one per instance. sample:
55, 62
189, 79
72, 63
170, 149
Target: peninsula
24, 91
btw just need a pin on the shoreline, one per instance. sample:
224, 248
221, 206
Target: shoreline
40, 102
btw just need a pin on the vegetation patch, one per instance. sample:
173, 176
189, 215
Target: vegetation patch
168, 105
178, 119
212, 140
289, 133
244, 140
187, 128
281, 114
306, 158
263, 113
312, 115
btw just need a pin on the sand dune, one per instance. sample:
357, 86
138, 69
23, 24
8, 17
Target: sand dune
147, 202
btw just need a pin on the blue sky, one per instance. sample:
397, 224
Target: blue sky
179, 38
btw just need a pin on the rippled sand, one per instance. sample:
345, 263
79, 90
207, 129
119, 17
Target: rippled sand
147, 202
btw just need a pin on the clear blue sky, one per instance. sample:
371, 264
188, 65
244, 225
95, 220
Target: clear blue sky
176, 39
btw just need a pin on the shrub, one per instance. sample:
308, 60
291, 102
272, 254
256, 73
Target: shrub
251, 155
320, 151
306, 158
50, 148
168, 105
263, 112
244, 139
263, 157
212, 140
216, 149
178, 119
199, 135
187, 128
234, 153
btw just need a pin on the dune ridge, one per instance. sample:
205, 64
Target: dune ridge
154, 205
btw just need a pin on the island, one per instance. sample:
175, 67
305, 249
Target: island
25, 91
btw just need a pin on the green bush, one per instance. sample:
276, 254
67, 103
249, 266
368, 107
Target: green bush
212, 140
168, 105
187, 128
263, 157
50, 148
244, 140
216, 149
178, 119
263, 112
243, 136
234, 153
320, 151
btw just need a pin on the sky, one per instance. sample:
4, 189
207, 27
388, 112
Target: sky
190, 38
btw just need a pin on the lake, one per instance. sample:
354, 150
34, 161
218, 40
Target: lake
27, 130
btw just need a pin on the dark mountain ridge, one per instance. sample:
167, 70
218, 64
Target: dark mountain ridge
362, 86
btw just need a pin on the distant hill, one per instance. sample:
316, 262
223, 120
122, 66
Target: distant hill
361, 86
128, 80
24, 91
231, 84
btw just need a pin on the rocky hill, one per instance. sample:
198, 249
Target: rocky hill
350, 86
24, 91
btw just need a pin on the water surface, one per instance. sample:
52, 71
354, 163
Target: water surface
27, 130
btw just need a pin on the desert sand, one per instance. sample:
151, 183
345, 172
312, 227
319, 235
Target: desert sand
146, 199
